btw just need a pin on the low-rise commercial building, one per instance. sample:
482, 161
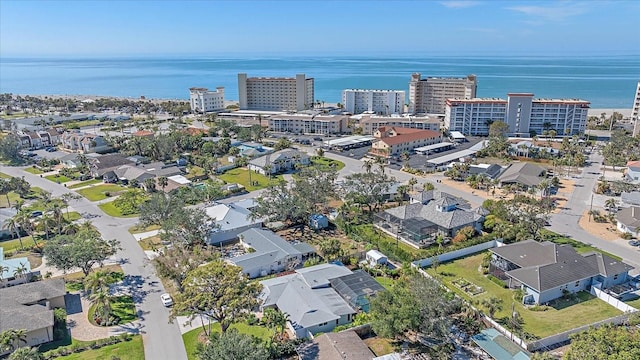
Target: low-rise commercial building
429, 95
395, 141
309, 124
385, 102
371, 123
525, 115
275, 93
203, 100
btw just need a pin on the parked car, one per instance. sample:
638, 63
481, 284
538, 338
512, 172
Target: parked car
50, 149
634, 243
166, 300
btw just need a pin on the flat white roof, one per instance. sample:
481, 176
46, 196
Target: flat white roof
349, 140
457, 135
179, 179
451, 157
433, 147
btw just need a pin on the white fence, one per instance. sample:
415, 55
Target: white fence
458, 253
506, 333
595, 290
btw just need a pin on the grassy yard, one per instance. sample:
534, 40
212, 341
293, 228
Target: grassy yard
84, 183
12, 198
150, 243
580, 247
72, 216
380, 346
123, 308
385, 281
327, 163
190, 338
139, 230
241, 176
5, 176
112, 210
34, 171
14, 244
57, 178
539, 323
130, 350
97, 193
635, 303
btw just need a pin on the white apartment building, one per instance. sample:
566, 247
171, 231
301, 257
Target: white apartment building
385, 102
430, 95
309, 124
371, 123
202, 100
525, 115
275, 93
635, 111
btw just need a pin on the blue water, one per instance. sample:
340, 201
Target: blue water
608, 82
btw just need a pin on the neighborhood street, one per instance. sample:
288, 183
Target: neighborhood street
162, 340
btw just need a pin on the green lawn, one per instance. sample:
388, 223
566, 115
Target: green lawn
129, 350
139, 230
635, 303
96, 193
112, 210
72, 216
12, 198
241, 176
84, 183
34, 171
5, 176
327, 163
122, 307
385, 281
190, 338
538, 323
580, 247
12, 245
57, 178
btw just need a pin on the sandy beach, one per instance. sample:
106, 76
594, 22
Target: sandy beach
597, 112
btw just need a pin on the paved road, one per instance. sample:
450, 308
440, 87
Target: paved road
566, 222
161, 339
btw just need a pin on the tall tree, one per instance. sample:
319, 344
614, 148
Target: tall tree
232, 345
159, 208
605, 342
368, 189
82, 250
218, 290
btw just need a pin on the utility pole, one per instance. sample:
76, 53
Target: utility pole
591, 206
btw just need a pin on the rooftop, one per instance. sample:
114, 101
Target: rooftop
330, 346
24, 306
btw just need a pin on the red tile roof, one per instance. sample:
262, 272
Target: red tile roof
407, 135
143, 133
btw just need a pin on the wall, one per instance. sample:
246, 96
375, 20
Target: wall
457, 253
611, 300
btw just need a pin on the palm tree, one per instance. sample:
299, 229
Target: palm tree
493, 305
66, 199
412, 182
26, 353
276, 320
405, 159
367, 165
103, 304
163, 182
98, 281
21, 271
544, 187
611, 204
13, 225
24, 219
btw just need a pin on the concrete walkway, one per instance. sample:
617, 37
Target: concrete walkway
83, 330
183, 323
145, 235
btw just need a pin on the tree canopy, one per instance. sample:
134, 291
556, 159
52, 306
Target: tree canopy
232, 345
606, 342
82, 250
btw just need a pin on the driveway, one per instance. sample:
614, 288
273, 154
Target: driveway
162, 340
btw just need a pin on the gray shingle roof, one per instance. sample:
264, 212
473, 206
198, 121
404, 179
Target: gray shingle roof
277, 156
631, 198
331, 346
445, 219
607, 265
269, 248
523, 173
630, 217
22, 306
528, 253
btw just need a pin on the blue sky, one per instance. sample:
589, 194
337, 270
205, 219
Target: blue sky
306, 27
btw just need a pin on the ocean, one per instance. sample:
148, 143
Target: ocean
607, 82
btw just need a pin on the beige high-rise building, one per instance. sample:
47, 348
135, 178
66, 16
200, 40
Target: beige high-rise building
202, 100
385, 102
430, 95
635, 111
275, 93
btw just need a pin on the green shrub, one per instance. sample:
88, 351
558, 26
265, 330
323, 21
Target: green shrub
496, 280
540, 308
627, 236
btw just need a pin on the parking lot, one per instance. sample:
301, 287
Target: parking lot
417, 161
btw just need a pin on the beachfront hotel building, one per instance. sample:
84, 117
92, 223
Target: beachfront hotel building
525, 115
202, 100
275, 93
385, 102
371, 123
309, 124
430, 95
635, 111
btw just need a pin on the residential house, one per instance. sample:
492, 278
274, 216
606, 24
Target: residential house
35, 141
143, 134
231, 220
331, 346
523, 174
633, 171
50, 137
491, 171
309, 301
101, 165
357, 289
395, 141
546, 271
174, 182
14, 271
268, 253
630, 198
628, 220
375, 257
142, 172
30, 307
279, 161
77, 141
428, 215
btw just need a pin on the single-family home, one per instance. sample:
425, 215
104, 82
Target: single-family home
231, 220
309, 301
419, 223
546, 271
375, 257
14, 271
268, 253
357, 289
633, 171
142, 172
491, 171
279, 161
630, 198
30, 307
143, 134
85, 143
332, 346
523, 174
393, 141
107, 163
628, 220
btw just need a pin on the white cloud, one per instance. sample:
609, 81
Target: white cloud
556, 12
459, 4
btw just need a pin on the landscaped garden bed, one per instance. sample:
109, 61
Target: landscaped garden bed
469, 288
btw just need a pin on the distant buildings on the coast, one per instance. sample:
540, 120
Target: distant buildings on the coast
635, 111
429, 95
525, 115
275, 93
357, 101
202, 100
